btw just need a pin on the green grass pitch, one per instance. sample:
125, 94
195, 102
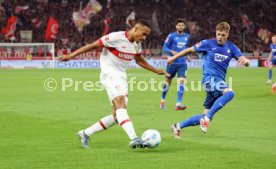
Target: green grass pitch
38, 127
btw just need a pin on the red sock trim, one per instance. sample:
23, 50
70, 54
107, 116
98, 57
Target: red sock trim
101, 123
123, 122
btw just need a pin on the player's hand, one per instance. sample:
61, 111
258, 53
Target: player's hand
170, 60
243, 61
163, 72
64, 58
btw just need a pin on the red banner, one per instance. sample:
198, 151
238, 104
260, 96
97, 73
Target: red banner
52, 29
9, 29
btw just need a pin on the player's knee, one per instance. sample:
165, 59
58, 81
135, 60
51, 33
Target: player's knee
168, 82
126, 99
181, 80
230, 93
227, 90
119, 102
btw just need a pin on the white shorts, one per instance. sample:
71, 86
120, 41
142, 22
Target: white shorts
115, 85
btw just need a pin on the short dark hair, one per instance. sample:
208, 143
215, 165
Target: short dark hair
180, 21
144, 23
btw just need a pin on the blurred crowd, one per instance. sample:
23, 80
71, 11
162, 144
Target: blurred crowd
246, 17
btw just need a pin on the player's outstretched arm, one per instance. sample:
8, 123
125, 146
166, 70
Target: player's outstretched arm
182, 53
81, 50
243, 61
144, 64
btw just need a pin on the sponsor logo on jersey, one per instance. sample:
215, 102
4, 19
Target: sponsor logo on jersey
220, 57
181, 44
126, 56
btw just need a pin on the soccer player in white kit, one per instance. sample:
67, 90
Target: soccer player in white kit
118, 49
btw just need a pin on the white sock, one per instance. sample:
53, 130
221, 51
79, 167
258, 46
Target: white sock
125, 122
102, 124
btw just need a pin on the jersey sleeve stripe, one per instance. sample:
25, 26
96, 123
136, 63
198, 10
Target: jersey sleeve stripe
101, 42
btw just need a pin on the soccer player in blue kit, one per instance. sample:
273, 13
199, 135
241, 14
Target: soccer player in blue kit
176, 42
272, 60
217, 54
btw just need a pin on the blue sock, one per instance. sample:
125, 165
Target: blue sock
219, 103
180, 93
192, 121
270, 74
165, 90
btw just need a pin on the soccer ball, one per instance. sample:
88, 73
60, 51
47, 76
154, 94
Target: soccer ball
151, 137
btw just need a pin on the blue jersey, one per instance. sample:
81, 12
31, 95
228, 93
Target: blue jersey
273, 51
176, 42
216, 57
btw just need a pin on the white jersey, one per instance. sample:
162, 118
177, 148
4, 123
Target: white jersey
117, 52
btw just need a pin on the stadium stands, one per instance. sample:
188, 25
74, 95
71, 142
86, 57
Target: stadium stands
201, 16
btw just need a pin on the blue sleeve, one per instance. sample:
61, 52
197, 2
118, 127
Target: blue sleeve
236, 52
201, 46
167, 44
188, 41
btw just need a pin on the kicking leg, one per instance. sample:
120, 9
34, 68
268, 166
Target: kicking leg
220, 102
125, 122
227, 96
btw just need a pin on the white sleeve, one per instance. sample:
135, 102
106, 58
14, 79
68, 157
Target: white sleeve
110, 40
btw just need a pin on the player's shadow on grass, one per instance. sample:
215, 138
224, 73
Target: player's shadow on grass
162, 150
253, 97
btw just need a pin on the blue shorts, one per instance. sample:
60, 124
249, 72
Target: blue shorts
214, 88
180, 69
273, 62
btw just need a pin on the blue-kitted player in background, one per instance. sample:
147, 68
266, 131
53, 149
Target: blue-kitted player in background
272, 62
217, 53
176, 42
